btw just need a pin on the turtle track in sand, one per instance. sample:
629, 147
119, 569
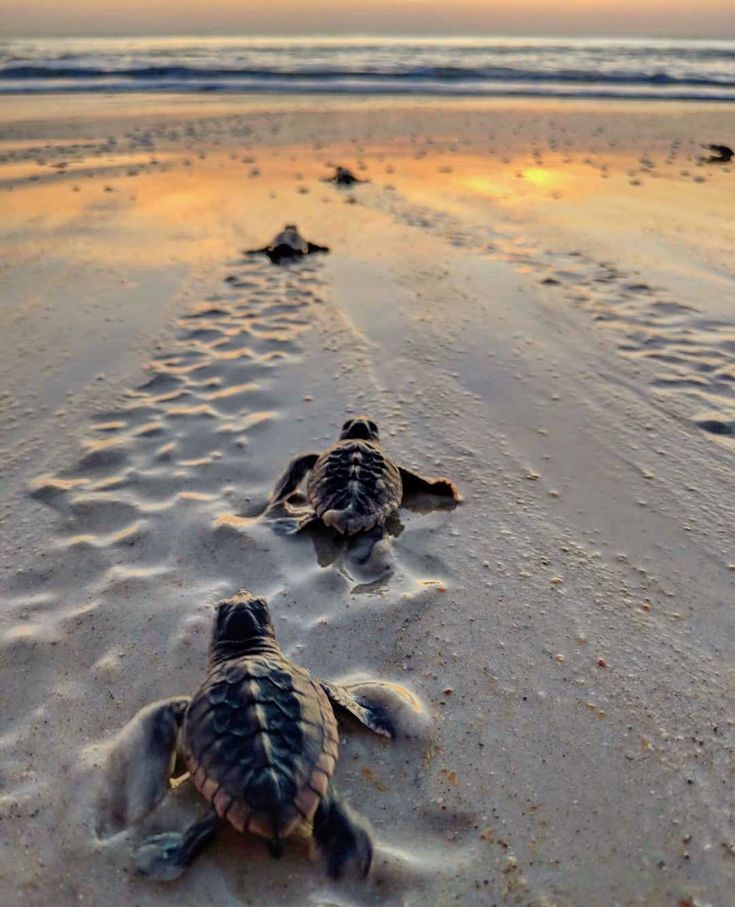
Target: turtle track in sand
687, 356
136, 513
180, 439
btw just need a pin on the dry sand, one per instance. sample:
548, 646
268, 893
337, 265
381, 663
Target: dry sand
537, 300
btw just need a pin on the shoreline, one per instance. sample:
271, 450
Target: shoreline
371, 95
205, 99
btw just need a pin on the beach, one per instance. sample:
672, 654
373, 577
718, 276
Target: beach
533, 297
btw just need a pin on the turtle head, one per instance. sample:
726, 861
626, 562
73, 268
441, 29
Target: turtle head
361, 428
242, 625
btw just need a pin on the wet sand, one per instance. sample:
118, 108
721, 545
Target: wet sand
536, 300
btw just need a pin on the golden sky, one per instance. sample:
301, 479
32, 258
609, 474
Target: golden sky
689, 18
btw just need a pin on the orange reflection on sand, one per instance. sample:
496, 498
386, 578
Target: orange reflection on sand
485, 185
544, 178
512, 183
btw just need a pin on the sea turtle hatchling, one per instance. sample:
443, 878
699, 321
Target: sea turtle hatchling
288, 245
343, 176
720, 154
260, 742
354, 485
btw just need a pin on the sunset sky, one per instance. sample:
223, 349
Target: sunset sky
690, 18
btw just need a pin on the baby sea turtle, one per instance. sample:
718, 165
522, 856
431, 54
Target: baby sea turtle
287, 246
354, 486
260, 743
721, 154
343, 176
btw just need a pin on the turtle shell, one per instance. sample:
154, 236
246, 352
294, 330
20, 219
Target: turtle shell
353, 486
260, 742
291, 239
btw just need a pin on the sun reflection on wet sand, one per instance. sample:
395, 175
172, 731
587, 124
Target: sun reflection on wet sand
511, 183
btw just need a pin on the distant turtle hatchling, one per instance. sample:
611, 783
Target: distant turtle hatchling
343, 176
260, 742
720, 154
289, 245
354, 486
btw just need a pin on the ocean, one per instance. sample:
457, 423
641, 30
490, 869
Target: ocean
574, 67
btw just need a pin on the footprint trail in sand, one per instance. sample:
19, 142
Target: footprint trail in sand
689, 356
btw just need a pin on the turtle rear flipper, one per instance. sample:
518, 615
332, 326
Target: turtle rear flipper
166, 856
291, 525
349, 520
343, 838
413, 483
137, 768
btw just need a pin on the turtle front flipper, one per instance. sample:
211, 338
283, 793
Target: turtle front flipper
166, 856
386, 708
137, 767
313, 247
372, 715
413, 483
292, 477
343, 838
